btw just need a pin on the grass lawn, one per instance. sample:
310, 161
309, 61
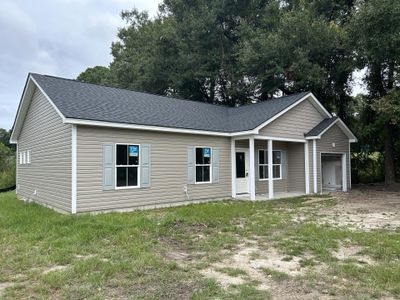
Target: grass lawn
223, 250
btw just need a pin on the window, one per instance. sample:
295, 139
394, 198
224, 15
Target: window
127, 165
28, 156
203, 164
23, 157
20, 158
276, 164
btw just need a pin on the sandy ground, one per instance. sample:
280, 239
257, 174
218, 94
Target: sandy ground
365, 208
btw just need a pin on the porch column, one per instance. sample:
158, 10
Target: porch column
315, 176
233, 167
252, 170
307, 167
270, 171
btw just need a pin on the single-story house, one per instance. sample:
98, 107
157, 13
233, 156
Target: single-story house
84, 147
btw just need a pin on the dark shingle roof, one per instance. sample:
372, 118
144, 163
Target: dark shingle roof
321, 127
87, 101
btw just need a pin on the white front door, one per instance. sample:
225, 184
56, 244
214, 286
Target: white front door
242, 171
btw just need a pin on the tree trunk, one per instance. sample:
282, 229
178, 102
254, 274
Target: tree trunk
389, 155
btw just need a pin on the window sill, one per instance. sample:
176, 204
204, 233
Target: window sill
126, 187
266, 179
205, 182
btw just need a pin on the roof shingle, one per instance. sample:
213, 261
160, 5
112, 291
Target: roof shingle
325, 123
87, 101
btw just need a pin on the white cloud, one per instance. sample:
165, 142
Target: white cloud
56, 37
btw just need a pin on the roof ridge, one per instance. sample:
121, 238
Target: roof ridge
129, 90
169, 97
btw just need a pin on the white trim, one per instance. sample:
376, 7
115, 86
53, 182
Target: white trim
343, 157
344, 172
233, 167
48, 98
266, 164
307, 167
247, 169
349, 165
203, 165
144, 127
342, 126
315, 178
322, 110
16, 169
270, 171
23, 107
126, 166
73, 168
280, 139
252, 169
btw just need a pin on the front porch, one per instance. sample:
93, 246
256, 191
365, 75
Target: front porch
277, 195
258, 175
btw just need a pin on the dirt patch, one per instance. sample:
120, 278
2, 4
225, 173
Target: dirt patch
54, 269
254, 262
353, 252
363, 208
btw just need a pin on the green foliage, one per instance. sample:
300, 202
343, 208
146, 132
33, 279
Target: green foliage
5, 138
7, 167
98, 75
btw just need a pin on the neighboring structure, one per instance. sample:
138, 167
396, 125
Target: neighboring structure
85, 147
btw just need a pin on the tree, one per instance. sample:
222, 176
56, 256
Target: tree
300, 46
375, 32
98, 75
5, 138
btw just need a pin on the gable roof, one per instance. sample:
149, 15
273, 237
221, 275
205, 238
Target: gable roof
84, 103
327, 123
317, 130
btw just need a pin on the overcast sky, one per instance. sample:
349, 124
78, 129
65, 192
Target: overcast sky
55, 37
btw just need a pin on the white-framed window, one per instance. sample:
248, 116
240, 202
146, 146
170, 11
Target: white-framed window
20, 158
28, 156
24, 158
203, 164
127, 163
263, 164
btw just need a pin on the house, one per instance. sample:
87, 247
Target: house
83, 147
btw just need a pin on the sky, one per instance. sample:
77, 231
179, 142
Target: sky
60, 38
55, 37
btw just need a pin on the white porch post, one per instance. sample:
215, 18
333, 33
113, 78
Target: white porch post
307, 167
344, 172
233, 167
252, 170
270, 171
315, 166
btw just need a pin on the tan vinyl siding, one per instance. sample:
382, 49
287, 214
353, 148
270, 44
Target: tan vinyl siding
294, 123
168, 169
49, 141
324, 145
296, 172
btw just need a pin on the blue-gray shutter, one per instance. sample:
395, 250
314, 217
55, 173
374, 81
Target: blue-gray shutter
284, 165
108, 166
145, 153
191, 171
215, 165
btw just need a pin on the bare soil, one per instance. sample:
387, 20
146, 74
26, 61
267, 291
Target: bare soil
365, 208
